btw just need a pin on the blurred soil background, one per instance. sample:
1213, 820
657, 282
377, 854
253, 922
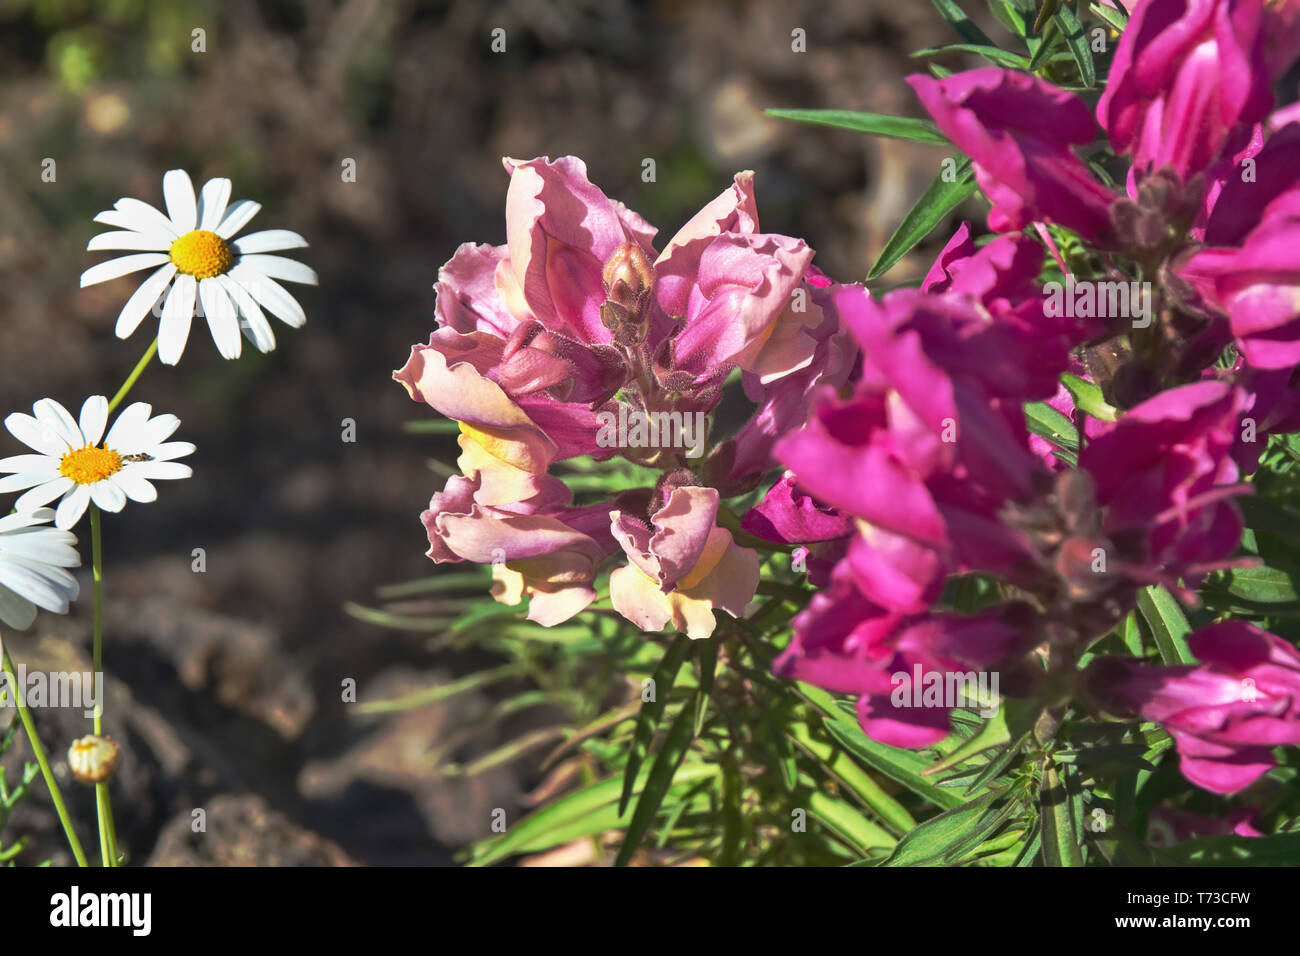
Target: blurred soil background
224, 686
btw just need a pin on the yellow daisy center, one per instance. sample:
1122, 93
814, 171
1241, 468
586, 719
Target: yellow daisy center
88, 465
202, 254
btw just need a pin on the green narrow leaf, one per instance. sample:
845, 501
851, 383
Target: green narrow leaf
984, 838
842, 766
571, 816
962, 24
1088, 398
1059, 845
732, 815
664, 677
1268, 517
434, 426
1077, 41
877, 124
662, 771
1046, 422
1031, 848
1009, 17
849, 825
708, 664
932, 839
938, 200
1045, 12
1168, 624
901, 766
1112, 16
1274, 584
1000, 57
1131, 634
1280, 850
441, 692
1046, 49
992, 734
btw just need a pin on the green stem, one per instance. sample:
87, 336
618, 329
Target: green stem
52, 785
103, 808
136, 372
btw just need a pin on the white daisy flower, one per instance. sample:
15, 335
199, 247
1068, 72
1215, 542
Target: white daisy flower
198, 260
72, 462
33, 563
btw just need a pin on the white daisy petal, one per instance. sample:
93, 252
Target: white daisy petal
212, 203
64, 585
254, 326
278, 267
30, 465
142, 218
49, 412
33, 567
124, 221
26, 471
108, 496
28, 583
43, 494
121, 266
72, 507
171, 449
94, 416
150, 242
134, 485
43, 545
35, 435
14, 611
19, 520
270, 295
162, 470
142, 301
269, 240
154, 432
239, 215
178, 191
127, 426
178, 312
21, 480
223, 320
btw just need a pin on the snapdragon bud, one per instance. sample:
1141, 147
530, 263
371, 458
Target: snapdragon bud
628, 276
628, 279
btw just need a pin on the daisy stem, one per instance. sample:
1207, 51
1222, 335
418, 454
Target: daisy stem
103, 808
136, 372
51, 784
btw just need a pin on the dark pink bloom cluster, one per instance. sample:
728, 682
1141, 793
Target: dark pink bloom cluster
925, 469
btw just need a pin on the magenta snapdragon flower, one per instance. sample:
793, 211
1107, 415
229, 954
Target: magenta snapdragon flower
1225, 714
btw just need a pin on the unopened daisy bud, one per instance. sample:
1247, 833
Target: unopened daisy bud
628, 276
93, 759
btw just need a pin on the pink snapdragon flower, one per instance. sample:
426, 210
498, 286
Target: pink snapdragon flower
1188, 81
681, 565
1225, 714
1165, 474
1167, 826
575, 318
1019, 132
846, 643
1248, 269
932, 441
